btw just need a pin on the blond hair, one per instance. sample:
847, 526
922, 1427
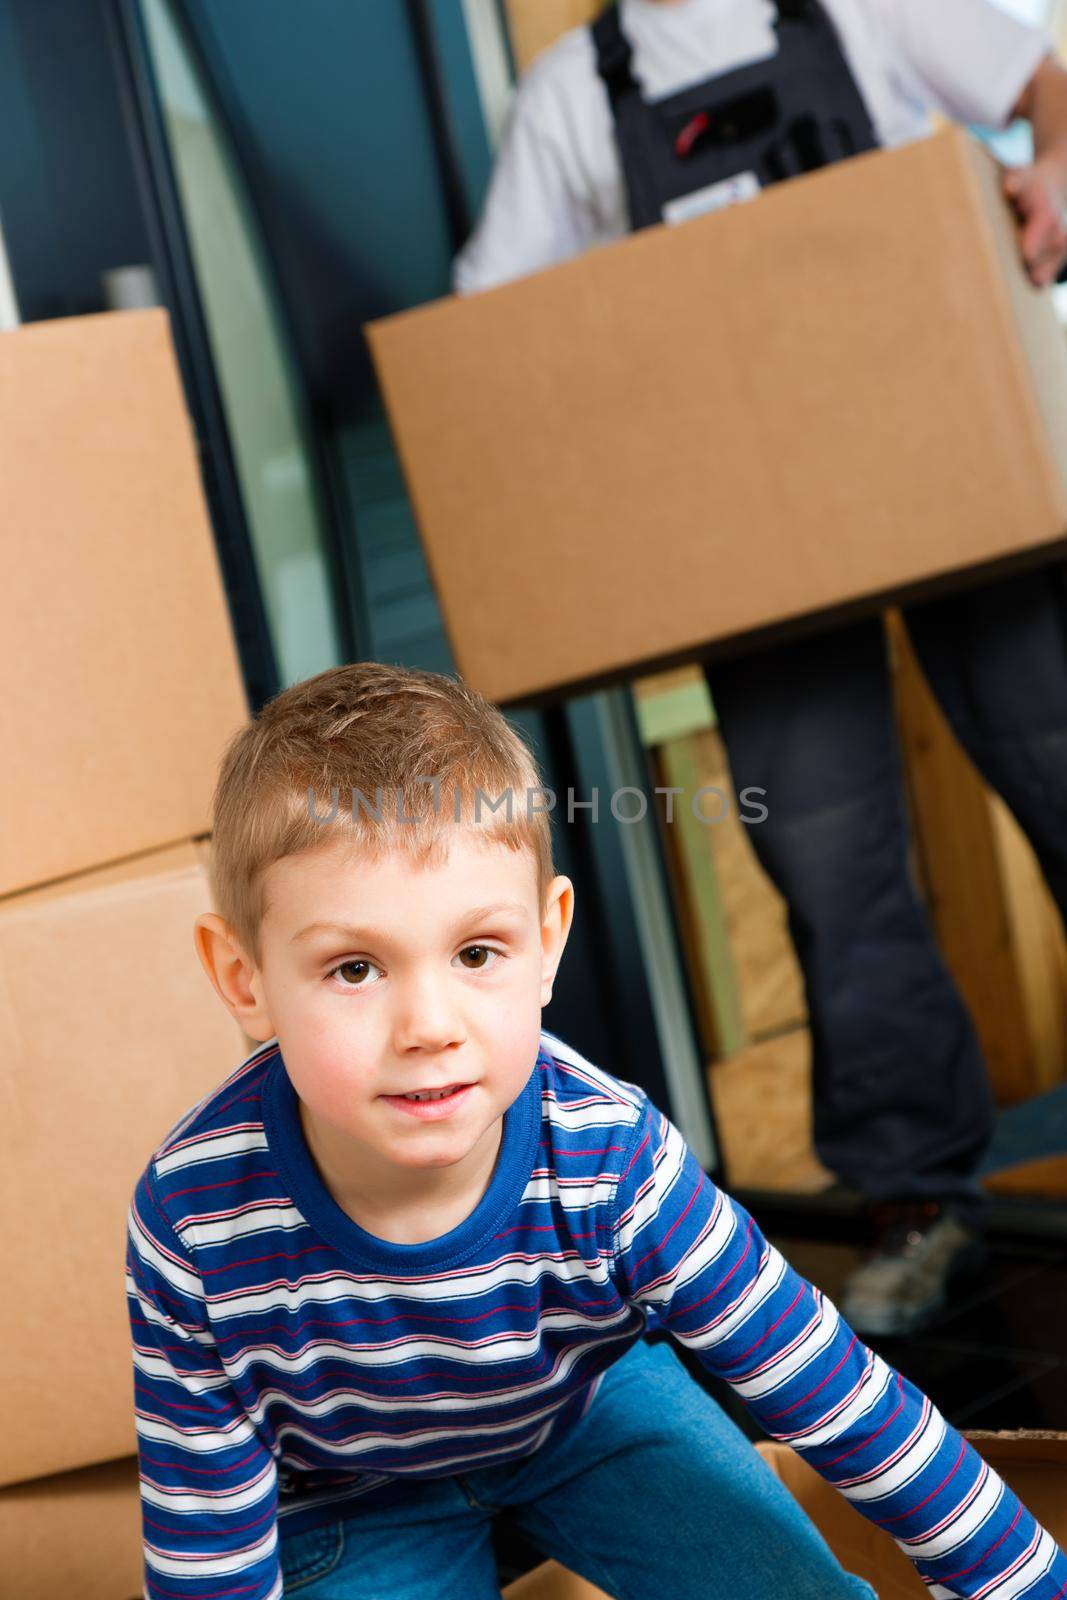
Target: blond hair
392, 755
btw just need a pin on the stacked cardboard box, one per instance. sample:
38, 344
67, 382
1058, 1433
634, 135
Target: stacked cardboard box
121, 687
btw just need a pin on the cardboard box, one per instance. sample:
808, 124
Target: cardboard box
840, 392
550, 1581
1033, 1464
73, 1537
109, 1031
78, 1537
121, 680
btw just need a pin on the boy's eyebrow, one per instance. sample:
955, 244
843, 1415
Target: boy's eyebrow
372, 936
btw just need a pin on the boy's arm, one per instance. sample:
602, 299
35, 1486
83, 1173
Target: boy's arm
685, 1248
208, 1482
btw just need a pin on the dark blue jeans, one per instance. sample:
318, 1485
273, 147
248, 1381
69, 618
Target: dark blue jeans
902, 1103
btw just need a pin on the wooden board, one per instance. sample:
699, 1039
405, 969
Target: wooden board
762, 1103
992, 913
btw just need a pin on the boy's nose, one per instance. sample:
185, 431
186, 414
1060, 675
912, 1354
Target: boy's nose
427, 1016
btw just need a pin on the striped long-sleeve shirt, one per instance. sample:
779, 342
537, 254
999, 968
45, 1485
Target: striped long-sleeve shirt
286, 1361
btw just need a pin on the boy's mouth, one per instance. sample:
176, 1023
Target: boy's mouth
430, 1103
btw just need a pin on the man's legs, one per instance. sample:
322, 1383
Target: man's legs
996, 658
655, 1491
902, 1107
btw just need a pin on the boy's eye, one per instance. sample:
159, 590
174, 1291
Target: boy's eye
477, 956
364, 973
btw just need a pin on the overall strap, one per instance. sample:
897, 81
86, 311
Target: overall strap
613, 54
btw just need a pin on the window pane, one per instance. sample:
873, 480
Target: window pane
262, 409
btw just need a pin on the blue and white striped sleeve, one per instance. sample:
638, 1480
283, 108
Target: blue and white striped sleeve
683, 1248
208, 1482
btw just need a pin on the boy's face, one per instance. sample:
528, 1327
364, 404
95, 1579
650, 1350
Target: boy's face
437, 984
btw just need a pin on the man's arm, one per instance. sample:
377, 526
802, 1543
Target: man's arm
540, 208
1039, 192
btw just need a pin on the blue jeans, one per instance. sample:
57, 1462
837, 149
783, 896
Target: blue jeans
653, 1491
902, 1104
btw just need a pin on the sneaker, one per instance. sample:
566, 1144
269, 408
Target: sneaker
902, 1285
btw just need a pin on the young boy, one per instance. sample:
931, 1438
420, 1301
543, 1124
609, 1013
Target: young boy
393, 1274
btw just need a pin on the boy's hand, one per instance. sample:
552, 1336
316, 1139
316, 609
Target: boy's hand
1038, 194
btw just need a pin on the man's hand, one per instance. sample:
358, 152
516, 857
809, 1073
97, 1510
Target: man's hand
1039, 196
1039, 192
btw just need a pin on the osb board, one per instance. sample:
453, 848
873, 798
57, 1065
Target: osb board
769, 979
535, 24
959, 868
762, 1103
1046, 1178
1039, 949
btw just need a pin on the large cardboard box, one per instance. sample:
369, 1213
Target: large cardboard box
121, 680
842, 391
109, 1031
1033, 1464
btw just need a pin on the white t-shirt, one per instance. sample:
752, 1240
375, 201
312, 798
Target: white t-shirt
557, 186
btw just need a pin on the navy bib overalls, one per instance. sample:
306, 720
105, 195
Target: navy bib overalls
795, 112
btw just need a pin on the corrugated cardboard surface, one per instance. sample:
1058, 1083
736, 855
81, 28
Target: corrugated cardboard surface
837, 392
73, 1537
121, 681
1034, 1465
109, 1032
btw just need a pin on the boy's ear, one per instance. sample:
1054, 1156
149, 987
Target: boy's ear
233, 975
555, 926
